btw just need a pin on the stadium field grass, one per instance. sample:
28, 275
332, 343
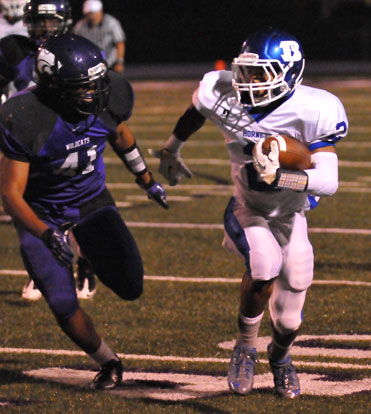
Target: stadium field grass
184, 323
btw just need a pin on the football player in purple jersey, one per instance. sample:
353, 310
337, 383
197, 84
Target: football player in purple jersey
53, 184
42, 19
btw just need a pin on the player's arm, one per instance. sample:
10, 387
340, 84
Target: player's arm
321, 180
119, 65
13, 181
172, 167
126, 148
323, 177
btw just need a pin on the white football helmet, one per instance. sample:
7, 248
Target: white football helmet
13, 8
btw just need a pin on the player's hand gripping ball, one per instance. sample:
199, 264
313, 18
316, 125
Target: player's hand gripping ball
280, 151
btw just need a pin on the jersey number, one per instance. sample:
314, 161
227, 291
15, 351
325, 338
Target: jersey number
71, 163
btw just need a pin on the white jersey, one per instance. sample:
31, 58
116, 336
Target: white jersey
7, 28
313, 116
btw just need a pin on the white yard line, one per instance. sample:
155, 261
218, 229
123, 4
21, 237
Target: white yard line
218, 161
156, 278
62, 352
215, 226
220, 143
212, 226
222, 187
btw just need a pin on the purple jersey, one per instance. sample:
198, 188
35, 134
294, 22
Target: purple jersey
66, 160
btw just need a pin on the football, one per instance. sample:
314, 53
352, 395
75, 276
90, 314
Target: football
293, 154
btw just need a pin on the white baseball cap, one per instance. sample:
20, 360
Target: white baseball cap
92, 6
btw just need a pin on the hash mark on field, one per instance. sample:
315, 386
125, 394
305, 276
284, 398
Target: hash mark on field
170, 386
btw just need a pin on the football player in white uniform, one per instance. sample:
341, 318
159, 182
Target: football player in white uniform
11, 18
264, 221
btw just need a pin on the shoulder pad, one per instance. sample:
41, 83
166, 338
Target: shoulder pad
121, 101
15, 48
213, 87
324, 115
24, 126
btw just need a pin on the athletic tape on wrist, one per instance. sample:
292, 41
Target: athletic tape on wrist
134, 161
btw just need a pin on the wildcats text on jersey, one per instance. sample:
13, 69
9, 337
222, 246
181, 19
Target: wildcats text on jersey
78, 143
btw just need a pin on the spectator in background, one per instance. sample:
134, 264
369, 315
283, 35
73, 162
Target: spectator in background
105, 31
11, 18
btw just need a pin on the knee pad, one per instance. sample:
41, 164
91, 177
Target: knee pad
298, 261
286, 307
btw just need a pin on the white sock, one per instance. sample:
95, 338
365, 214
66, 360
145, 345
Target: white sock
103, 354
249, 328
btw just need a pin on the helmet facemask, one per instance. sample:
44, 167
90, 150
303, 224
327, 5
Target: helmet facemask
259, 82
47, 18
43, 27
89, 98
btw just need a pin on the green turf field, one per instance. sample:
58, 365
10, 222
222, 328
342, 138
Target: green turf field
176, 339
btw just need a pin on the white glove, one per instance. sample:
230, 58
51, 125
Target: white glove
266, 165
171, 166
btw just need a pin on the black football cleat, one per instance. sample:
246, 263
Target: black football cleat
109, 376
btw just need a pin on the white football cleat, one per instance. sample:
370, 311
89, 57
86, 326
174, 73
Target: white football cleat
86, 285
31, 292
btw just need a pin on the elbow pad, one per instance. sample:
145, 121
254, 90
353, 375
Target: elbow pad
323, 178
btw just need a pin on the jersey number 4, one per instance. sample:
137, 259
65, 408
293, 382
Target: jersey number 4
71, 165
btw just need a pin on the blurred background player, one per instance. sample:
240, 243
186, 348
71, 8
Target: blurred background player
43, 19
11, 18
11, 23
53, 184
105, 31
264, 221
